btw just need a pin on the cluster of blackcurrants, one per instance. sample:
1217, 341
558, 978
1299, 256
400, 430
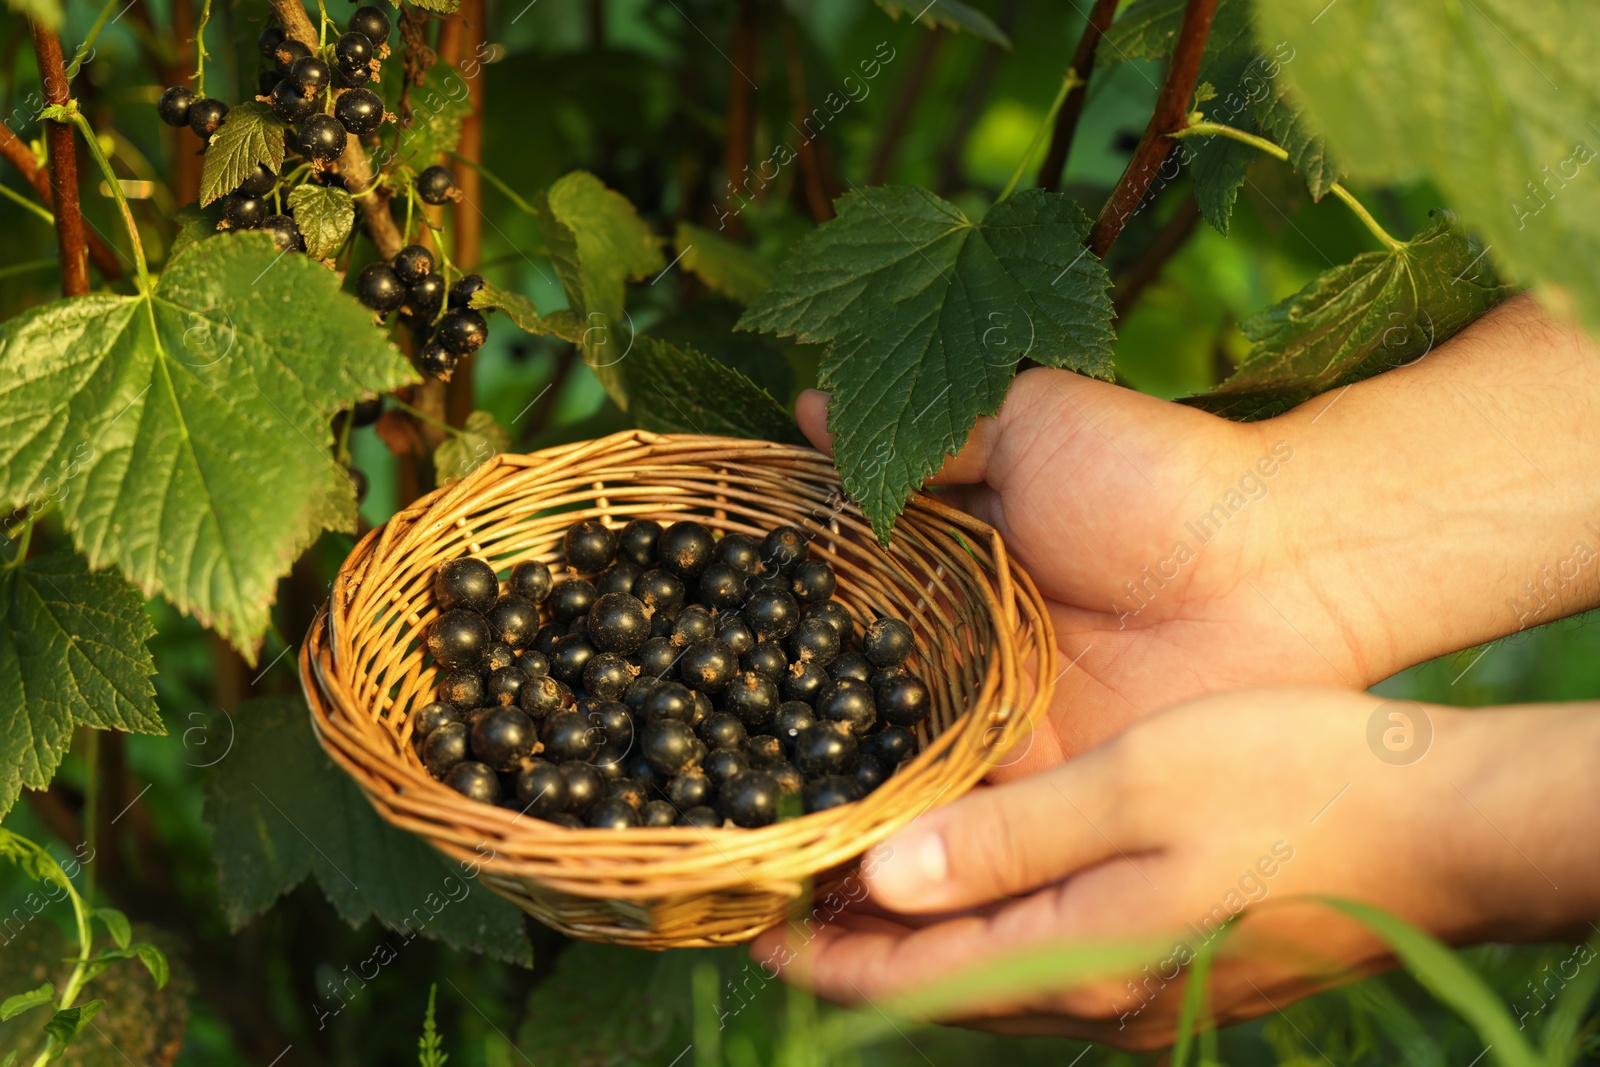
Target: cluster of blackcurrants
670, 678
410, 284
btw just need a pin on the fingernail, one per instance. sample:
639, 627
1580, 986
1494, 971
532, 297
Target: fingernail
915, 867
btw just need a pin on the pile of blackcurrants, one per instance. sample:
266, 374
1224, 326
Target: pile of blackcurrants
408, 283
668, 678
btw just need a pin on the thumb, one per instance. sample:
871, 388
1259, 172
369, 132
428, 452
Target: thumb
811, 412
1005, 840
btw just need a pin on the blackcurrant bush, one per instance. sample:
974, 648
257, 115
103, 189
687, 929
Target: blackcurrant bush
607, 676
584, 786
703, 818
173, 106
457, 638
566, 735
461, 292
834, 614
498, 655
735, 632
812, 581
685, 548
790, 780
763, 749
425, 297
205, 116
242, 212
772, 613
589, 545
288, 54
617, 578
708, 666
850, 664
668, 745
502, 738
720, 764
618, 623
693, 624
570, 599
353, 52
669, 700
803, 681
475, 782
752, 697
541, 789
660, 590
445, 747
462, 330
260, 183
850, 702
814, 641
784, 548
826, 748
372, 23
379, 288
571, 655
903, 700
462, 687
791, 717
465, 583
435, 184
830, 791
722, 587
690, 790
533, 663
741, 552
312, 75
359, 111
412, 262
890, 746
887, 642
504, 686
271, 37
750, 799
637, 540
722, 730
530, 579
430, 717
540, 696
657, 657
870, 773
766, 658
611, 813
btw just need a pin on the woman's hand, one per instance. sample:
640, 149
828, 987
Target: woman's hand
1251, 798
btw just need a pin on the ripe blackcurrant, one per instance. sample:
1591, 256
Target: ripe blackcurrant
312, 75
260, 183
848, 701
358, 480
541, 789
741, 552
445, 747
814, 641
630, 791
685, 548
752, 697
353, 53
502, 737
771, 613
285, 234
437, 361
372, 23
658, 813
763, 749
532, 663
530, 579
457, 638
834, 614
812, 581
850, 664
498, 655
887, 642
379, 288
689, 790
435, 184
618, 623
243, 212
359, 111
721, 764
733, 631
271, 37
412, 262
570, 656
607, 676
825, 748
766, 658
693, 624
430, 717
589, 545
462, 687
722, 730
722, 587
890, 746
321, 138
657, 657
790, 781
504, 686
784, 548
462, 330
173, 106
830, 791
513, 620
584, 786
612, 813
637, 540
475, 782
903, 700
750, 799
791, 717
659, 590
465, 583
570, 599
708, 666
266, 81
568, 736
205, 116
668, 746
669, 700
540, 696
566, 819
617, 578
614, 721
870, 773
425, 297
288, 54
703, 818
803, 682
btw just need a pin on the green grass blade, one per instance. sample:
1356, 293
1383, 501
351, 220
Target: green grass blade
1562, 1027
1195, 994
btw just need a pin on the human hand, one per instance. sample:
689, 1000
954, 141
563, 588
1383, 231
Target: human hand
1175, 825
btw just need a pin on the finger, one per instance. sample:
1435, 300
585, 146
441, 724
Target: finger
811, 412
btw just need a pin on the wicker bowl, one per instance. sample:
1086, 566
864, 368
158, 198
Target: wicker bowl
984, 646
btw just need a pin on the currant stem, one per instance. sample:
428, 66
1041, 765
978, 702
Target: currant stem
116, 191
505, 189
43, 212
200, 53
1217, 129
429, 419
88, 42
322, 30
1068, 83
23, 540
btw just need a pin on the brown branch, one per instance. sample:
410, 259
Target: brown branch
21, 157
466, 41
1148, 267
817, 172
745, 47
74, 249
908, 95
1055, 160
1172, 110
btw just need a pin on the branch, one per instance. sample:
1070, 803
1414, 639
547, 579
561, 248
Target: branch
467, 40
21, 157
1171, 114
74, 250
819, 178
1055, 160
741, 107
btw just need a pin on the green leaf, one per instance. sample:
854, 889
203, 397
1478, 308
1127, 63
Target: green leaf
325, 215
1490, 100
66, 1024
438, 107
1284, 122
72, 652
155, 961
438, 7
951, 14
609, 1005
185, 432
280, 809
116, 925
926, 315
564, 324
597, 243
195, 223
1379, 311
14, 1006
681, 390
249, 134
1218, 165
726, 267
1147, 29
462, 453
45, 12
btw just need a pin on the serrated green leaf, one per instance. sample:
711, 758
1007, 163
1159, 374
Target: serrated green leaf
324, 215
1218, 165
1284, 122
45, 12
462, 453
438, 108
72, 652
249, 134
280, 810
1493, 101
726, 267
1379, 311
681, 390
926, 315
195, 223
597, 243
66, 1024
951, 14
116, 925
1147, 29
194, 420
438, 7
564, 324
14, 1006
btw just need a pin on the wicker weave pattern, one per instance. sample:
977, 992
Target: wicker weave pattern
983, 639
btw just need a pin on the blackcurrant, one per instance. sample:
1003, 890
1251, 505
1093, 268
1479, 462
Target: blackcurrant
658, 813
614, 721
890, 746
659, 590
685, 548
639, 770
772, 613
504, 686
830, 791
461, 292
358, 479
733, 631
640, 691
571, 598
702, 708
607, 676
668, 745
637, 540
703, 818
540, 696
693, 624
802, 681
690, 790
848, 701
288, 53
612, 813
566, 735
205, 116
425, 297
741, 552
545, 640
584, 786
541, 789
498, 655
722, 730
502, 738
243, 212
435, 184
589, 545
530, 579
752, 697
628, 790
321, 138
826, 748
462, 330
904, 700
750, 799
445, 747
566, 819
271, 37
617, 578
513, 620
353, 52
312, 75
720, 764
669, 700
790, 780
812, 581
430, 717
379, 288
457, 638
359, 111
834, 614
763, 749
618, 623
260, 183
570, 656
173, 106
766, 658
475, 782
708, 666
814, 641
870, 773
887, 642
791, 717
465, 583
462, 687
412, 262
784, 548
657, 657
611, 762
722, 587
372, 23
850, 664
532, 662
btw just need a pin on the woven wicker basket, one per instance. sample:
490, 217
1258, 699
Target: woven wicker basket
983, 639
